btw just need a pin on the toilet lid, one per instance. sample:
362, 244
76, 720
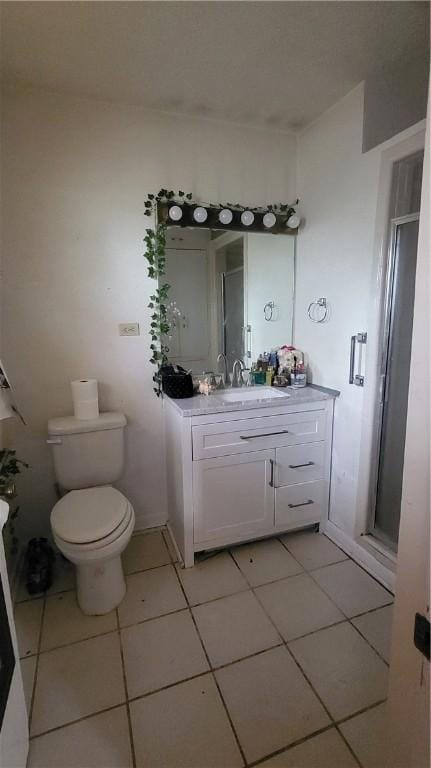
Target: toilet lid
87, 515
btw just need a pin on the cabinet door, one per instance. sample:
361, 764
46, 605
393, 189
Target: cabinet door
233, 497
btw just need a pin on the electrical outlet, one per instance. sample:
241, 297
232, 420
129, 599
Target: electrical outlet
128, 329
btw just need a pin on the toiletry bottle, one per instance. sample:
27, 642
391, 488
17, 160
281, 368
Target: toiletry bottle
293, 372
269, 376
299, 377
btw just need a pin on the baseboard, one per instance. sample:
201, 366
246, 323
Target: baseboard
174, 543
383, 573
143, 523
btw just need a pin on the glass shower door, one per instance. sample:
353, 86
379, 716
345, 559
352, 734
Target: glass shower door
396, 373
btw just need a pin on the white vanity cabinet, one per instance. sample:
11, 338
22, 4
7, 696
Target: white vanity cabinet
237, 475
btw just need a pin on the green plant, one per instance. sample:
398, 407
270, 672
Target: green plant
10, 466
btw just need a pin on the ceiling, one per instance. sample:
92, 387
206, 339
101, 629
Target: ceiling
277, 64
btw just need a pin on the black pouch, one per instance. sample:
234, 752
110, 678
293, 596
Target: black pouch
176, 382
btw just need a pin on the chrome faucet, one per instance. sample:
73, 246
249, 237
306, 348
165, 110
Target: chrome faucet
237, 380
223, 357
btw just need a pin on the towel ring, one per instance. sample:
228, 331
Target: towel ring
268, 311
318, 310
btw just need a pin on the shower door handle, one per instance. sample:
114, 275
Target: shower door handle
247, 334
352, 359
356, 378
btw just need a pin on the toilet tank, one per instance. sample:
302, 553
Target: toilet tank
87, 453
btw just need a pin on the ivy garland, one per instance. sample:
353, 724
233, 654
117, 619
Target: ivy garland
155, 241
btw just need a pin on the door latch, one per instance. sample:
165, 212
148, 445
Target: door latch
421, 637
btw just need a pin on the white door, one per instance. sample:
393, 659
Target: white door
409, 689
233, 497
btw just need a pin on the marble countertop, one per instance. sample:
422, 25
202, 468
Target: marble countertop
201, 405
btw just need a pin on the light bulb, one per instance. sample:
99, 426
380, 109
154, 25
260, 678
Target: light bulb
225, 216
175, 213
200, 214
269, 220
247, 218
293, 221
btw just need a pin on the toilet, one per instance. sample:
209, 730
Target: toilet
92, 522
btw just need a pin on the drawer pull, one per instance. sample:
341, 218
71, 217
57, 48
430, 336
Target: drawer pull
271, 481
297, 466
302, 504
267, 434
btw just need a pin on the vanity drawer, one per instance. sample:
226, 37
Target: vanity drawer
300, 463
245, 435
304, 503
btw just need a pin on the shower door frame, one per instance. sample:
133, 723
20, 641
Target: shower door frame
384, 352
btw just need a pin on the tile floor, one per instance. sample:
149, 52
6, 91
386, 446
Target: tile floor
275, 653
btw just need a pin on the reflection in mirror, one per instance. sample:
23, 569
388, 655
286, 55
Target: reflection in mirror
231, 293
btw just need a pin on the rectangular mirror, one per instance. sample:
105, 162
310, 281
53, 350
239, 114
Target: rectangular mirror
231, 292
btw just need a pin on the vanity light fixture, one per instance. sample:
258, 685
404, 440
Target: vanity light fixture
293, 221
180, 209
269, 220
200, 214
247, 218
225, 216
175, 213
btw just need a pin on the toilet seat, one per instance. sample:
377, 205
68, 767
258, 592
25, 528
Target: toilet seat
91, 518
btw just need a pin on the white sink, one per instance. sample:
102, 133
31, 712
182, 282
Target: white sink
252, 393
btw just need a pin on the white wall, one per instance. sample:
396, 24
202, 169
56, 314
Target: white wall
396, 96
75, 176
337, 188
336, 258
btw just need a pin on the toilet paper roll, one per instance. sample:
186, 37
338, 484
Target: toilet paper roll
85, 399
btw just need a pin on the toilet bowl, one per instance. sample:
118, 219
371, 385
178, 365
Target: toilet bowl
92, 527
